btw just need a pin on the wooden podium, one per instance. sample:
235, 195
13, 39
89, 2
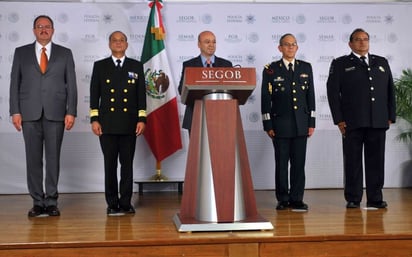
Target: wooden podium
218, 190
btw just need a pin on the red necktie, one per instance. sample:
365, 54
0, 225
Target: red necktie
208, 63
43, 60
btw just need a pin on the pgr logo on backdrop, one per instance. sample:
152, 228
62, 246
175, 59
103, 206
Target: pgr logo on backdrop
90, 58
89, 38
233, 38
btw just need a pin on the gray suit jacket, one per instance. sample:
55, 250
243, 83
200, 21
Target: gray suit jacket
32, 92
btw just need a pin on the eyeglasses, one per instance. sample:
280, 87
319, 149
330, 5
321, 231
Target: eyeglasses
290, 44
46, 27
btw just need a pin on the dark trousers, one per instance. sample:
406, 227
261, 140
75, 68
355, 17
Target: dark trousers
118, 148
38, 135
293, 151
370, 143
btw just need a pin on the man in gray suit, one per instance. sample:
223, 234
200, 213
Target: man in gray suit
43, 102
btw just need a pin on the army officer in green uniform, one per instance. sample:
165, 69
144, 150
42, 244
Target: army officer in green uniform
288, 114
118, 116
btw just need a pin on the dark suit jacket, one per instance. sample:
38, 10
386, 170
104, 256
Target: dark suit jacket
360, 96
289, 103
118, 97
197, 62
32, 92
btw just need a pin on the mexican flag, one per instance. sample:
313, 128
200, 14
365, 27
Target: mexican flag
162, 131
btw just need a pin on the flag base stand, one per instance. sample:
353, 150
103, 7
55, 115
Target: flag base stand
159, 176
192, 225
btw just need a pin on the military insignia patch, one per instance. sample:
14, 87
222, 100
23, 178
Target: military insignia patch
133, 75
268, 70
350, 69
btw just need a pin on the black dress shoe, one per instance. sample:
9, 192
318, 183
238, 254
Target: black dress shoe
52, 210
298, 206
379, 205
128, 210
114, 212
352, 205
282, 205
35, 211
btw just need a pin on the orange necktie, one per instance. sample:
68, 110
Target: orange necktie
43, 60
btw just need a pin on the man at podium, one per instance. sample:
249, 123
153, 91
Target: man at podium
207, 58
288, 114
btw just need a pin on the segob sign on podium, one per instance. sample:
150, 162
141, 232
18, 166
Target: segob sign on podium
218, 189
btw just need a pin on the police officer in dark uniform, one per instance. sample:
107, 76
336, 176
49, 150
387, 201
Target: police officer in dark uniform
288, 114
117, 116
361, 97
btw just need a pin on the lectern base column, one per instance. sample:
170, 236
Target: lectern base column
218, 193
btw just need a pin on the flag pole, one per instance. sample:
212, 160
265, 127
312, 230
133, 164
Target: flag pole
160, 92
158, 176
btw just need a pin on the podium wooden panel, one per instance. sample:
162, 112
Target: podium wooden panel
218, 192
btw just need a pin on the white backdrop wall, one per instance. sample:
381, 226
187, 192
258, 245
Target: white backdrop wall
247, 34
